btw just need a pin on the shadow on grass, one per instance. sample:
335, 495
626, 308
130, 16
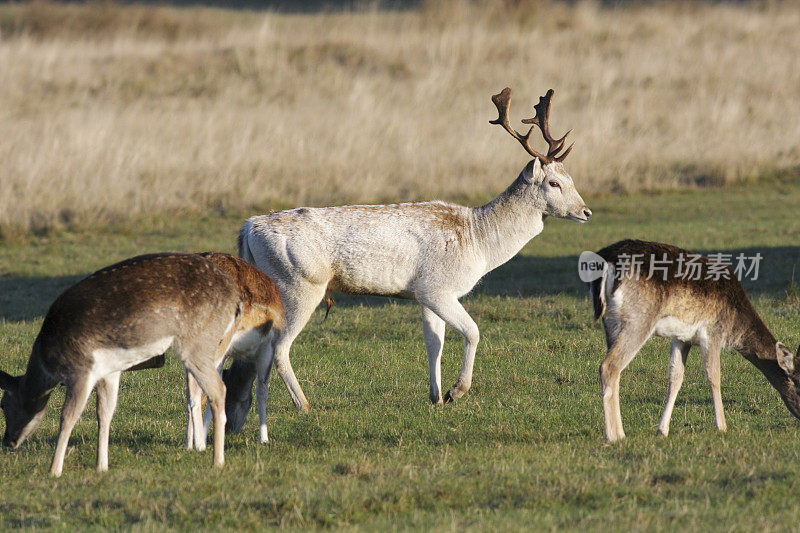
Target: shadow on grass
25, 298
527, 275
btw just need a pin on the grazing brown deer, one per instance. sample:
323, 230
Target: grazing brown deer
432, 252
705, 305
121, 317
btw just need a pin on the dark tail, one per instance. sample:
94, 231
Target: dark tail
598, 290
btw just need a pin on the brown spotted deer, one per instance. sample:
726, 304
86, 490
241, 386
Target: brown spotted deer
432, 252
120, 318
649, 288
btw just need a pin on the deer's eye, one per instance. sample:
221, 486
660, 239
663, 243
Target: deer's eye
555, 184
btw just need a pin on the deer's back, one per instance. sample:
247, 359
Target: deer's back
138, 302
676, 296
262, 307
369, 249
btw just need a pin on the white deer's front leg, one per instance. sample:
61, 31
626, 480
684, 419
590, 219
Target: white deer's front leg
453, 313
433, 333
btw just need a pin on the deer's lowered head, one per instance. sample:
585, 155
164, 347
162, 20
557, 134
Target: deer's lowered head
22, 418
787, 382
544, 181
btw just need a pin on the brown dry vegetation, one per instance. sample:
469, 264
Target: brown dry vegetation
107, 111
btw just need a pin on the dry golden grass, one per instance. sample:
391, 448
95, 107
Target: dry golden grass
107, 111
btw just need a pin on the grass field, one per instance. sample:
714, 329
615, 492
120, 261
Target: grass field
523, 449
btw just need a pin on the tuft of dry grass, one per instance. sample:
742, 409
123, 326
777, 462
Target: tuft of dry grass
109, 110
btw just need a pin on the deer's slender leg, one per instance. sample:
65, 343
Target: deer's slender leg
453, 313
210, 382
195, 428
626, 345
207, 414
299, 303
77, 394
263, 368
107, 392
433, 333
712, 365
679, 352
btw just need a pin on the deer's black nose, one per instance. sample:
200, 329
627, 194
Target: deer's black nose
587, 213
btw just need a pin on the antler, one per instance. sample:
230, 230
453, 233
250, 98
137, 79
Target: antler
541, 119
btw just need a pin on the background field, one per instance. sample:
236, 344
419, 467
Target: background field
524, 449
126, 130
109, 111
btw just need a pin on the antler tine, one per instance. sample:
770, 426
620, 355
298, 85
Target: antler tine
564, 155
542, 119
503, 101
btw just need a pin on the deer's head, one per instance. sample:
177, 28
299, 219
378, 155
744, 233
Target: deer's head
790, 388
22, 419
551, 188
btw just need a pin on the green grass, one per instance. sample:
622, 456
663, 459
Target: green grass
523, 449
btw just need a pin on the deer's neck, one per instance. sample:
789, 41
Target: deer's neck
757, 345
506, 224
38, 382
754, 337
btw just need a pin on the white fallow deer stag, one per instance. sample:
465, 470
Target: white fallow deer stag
121, 317
647, 289
432, 252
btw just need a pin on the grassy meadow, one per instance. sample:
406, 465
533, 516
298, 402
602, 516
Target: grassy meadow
523, 449
126, 130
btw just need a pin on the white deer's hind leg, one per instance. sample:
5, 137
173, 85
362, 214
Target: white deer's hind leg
299, 303
107, 393
453, 313
677, 364
77, 394
712, 366
433, 333
263, 369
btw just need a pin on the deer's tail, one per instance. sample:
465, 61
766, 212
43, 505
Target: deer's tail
243, 245
599, 289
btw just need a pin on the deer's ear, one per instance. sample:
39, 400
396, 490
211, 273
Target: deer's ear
532, 173
7, 381
785, 358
